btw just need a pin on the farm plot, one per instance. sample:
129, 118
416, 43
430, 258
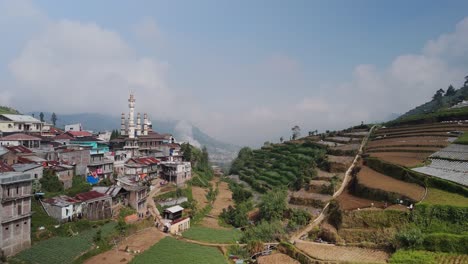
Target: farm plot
212, 235
376, 180
303, 197
436, 196
429, 150
354, 146
277, 258
348, 201
62, 250
326, 176
339, 253
430, 127
223, 200
453, 152
456, 171
171, 250
427, 257
410, 141
329, 143
199, 194
344, 140
407, 159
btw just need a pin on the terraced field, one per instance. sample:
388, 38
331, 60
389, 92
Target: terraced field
416, 141
338, 253
348, 202
376, 180
406, 159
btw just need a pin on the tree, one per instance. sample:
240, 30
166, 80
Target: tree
41, 117
466, 81
186, 152
311, 133
281, 139
438, 95
273, 204
54, 119
296, 132
50, 182
450, 91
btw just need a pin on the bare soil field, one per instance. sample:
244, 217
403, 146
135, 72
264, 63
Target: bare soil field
410, 141
376, 180
338, 253
223, 200
277, 258
199, 194
326, 176
303, 194
403, 149
341, 159
407, 159
348, 147
435, 127
314, 211
348, 202
139, 241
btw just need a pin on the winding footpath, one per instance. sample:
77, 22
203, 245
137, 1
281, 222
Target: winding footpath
346, 179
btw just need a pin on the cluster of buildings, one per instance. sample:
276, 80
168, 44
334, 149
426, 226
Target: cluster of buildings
128, 164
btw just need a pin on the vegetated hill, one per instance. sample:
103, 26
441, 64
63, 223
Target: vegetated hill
438, 109
220, 152
8, 110
290, 164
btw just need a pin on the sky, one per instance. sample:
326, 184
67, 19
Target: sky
244, 72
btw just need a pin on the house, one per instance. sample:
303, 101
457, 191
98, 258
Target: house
101, 166
20, 139
34, 169
176, 172
73, 127
119, 195
63, 139
7, 156
78, 157
173, 221
15, 208
63, 208
96, 205
64, 173
97, 146
143, 166
138, 192
10, 123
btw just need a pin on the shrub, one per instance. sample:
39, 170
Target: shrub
264, 231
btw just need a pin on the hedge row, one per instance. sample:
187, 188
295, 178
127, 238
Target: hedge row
443, 242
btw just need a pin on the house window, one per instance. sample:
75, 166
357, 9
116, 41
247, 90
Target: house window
8, 192
17, 189
35, 175
10, 126
19, 209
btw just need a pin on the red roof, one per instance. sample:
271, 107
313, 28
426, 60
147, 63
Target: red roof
63, 136
146, 160
18, 149
18, 136
5, 167
79, 133
55, 130
89, 195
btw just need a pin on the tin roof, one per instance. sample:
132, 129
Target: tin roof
174, 209
90, 195
61, 201
5, 167
18, 136
21, 118
18, 149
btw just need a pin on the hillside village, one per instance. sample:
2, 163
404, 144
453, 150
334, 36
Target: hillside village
372, 193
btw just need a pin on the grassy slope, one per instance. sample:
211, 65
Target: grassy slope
212, 235
170, 250
463, 139
436, 196
7, 110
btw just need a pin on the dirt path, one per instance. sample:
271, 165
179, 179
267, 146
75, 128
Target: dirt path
141, 241
296, 236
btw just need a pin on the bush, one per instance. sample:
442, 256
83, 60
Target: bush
446, 243
412, 257
264, 231
411, 238
50, 182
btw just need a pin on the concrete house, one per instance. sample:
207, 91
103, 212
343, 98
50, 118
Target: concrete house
176, 172
63, 208
138, 192
101, 166
143, 166
15, 212
96, 205
10, 123
173, 221
20, 139
36, 170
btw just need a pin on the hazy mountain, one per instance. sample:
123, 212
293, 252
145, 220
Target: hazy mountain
220, 152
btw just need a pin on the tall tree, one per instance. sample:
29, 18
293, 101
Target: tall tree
296, 132
53, 118
450, 91
438, 95
41, 117
281, 139
466, 81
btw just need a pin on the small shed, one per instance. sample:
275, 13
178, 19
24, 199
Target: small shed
173, 213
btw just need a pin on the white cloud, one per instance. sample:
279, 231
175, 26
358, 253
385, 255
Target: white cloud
147, 30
